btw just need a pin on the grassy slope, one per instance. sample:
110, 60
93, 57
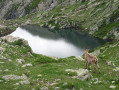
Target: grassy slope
54, 70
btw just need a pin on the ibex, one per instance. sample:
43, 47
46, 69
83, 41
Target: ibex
90, 59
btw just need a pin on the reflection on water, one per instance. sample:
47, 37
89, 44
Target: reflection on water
59, 43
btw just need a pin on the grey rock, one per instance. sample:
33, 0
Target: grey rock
2, 26
39, 75
82, 74
113, 81
95, 53
64, 84
14, 77
116, 69
44, 88
24, 82
2, 50
10, 39
57, 88
82, 7
6, 70
80, 58
20, 61
1, 80
28, 22
110, 63
27, 65
112, 87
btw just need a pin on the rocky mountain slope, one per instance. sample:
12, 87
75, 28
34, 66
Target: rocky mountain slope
22, 69
99, 17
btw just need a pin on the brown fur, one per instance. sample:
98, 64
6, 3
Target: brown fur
91, 60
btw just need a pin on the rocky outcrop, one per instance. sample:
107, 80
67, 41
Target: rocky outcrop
12, 39
18, 8
82, 74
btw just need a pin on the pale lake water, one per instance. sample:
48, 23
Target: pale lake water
58, 43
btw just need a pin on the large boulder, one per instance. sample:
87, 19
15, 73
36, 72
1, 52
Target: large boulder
82, 74
116, 69
14, 77
12, 39
1, 50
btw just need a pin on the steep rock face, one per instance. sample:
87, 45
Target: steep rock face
11, 9
90, 15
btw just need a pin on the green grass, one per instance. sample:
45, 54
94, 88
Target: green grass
53, 70
106, 29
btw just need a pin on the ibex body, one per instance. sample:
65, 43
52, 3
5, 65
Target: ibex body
91, 60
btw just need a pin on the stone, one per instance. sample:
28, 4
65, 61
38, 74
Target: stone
1, 50
2, 62
1, 80
16, 84
52, 27
39, 75
28, 22
6, 70
27, 65
113, 81
95, 53
112, 87
52, 84
64, 84
10, 39
44, 88
24, 82
57, 88
20, 61
116, 69
14, 77
2, 26
82, 74
82, 7
80, 58
110, 63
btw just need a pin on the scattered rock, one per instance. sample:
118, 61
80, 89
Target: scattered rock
113, 81
1, 80
24, 82
20, 61
14, 77
10, 39
28, 22
82, 74
44, 88
16, 84
6, 70
112, 87
1, 50
96, 53
64, 84
2, 62
80, 58
2, 26
116, 70
39, 75
97, 82
52, 84
27, 65
110, 63
57, 88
